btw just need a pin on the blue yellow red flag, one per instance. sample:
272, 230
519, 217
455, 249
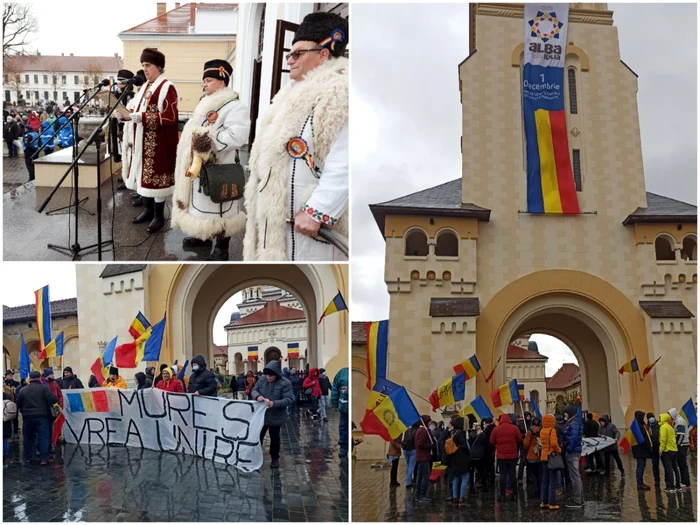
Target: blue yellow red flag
506, 394
688, 413
139, 325
470, 367
633, 436
24, 361
478, 408
449, 392
337, 304
396, 412
377, 344
629, 367
43, 316
53, 349
108, 354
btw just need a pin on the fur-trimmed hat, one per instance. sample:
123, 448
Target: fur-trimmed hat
219, 69
326, 29
153, 56
113, 371
123, 75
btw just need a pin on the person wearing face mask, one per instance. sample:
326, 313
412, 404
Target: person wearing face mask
202, 381
683, 442
608, 429
312, 389
299, 161
653, 429
276, 392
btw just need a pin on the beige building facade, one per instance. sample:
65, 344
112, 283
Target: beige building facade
470, 274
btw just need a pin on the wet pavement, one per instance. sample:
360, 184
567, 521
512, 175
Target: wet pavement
27, 232
607, 499
131, 484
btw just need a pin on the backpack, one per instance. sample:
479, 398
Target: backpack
409, 439
9, 410
450, 446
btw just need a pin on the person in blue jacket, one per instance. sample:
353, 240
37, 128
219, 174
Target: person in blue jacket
573, 443
65, 136
47, 137
31, 145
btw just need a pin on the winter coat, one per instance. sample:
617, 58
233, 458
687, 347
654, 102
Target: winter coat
667, 435
55, 389
480, 447
240, 383
642, 450
573, 436
70, 383
93, 382
682, 428
340, 394
119, 383
654, 432
325, 384
424, 445
506, 437
35, 400
313, 382
548, 437
204, 382
279, 391
460, 460
296, 382
530, 442
395, 447
590, 428
143, 381
174, 385
609, 430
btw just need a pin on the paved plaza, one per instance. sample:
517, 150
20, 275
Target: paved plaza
90, 483
608, 499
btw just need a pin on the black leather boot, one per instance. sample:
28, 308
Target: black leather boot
120, 184
147, 213
158, 218
138, 202
193, 242
220, 252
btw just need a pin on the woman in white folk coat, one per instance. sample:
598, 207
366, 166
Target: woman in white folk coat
218, 128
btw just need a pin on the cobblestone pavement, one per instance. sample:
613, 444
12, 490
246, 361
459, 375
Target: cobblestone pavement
608, 499
130, 484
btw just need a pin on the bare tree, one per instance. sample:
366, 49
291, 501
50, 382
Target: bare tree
55, 72
13, 69
93, 70
19, 25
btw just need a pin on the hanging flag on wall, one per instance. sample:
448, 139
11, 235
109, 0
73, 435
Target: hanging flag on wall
43, 316
336, 305
550, 180
292, 350
377, 344
629, 367
506, 394
470, 367
449, 392
252, 353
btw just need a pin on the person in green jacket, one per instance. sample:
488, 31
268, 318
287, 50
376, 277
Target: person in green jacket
669, 450
339, 400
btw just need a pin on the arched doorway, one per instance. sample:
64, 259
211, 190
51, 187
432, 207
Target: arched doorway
238, 363
272, 354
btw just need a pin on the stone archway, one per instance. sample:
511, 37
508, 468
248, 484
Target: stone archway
238, 363
272, 353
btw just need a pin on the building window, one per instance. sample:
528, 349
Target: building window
29, 95
664, 249
46, 95
576, 161
76, 80
26, 79
76, 96
63, 79
85, 79
46, 79
7, 96
447, 245
55, 96
36, 79
36, 95
690, 248
417, 244
573, 100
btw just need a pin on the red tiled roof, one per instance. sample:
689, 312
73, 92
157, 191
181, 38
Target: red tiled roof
220, 350
176, 20
359, 333
270, 313
515, 352
66, 63
567, 376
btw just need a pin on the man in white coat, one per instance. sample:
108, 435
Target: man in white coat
299, 161
218, 128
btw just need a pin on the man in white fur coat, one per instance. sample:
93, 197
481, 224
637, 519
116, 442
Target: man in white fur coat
219, 127
299, 161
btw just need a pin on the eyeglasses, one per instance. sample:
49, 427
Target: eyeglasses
296, 54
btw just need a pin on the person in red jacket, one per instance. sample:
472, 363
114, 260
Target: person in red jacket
169, 383
56, 428
507, 439
314, 384
424, 449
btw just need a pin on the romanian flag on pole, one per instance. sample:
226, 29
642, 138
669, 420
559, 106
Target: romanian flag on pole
478, 408
688, 413
449, 392
535, 407
634, 436
100, 372
54, 348
648, 369
382, 388
125, 355
396, 412
151, 341
506, 394
470, 367
43, 316
139, 326
629, 367
336, 305
377, 344
24, 361
550, 179
108, 354
490, 376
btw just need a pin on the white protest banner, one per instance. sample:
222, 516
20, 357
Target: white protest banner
225, 430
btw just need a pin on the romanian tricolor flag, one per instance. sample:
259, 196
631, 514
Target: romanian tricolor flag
550, 179
125, 355
396, 412
490, 376
629, 367
521, 392
150, 342
139, 326
336, 305
470, 367
648, 369
688, 413
634, 436
53, 349
99, 371
252, 353
292, 350
92, 401
478, 408
506, 394
382, 388
108, 354
436, 470
449, 392
43, 316
377, 344
24, 362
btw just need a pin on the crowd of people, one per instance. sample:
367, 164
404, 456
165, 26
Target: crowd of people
40, 399
548, 450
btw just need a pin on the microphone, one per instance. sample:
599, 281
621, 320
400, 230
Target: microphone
136, 81
102, 83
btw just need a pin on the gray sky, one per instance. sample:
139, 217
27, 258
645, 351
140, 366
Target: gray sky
20, 280
405, 102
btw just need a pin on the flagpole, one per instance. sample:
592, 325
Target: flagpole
522, 411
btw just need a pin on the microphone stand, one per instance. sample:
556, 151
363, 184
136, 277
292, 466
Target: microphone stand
93, 138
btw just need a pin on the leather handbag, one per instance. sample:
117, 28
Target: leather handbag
555, 462
222, 182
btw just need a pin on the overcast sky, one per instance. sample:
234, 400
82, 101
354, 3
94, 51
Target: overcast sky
406, 114
224, 317
21, 280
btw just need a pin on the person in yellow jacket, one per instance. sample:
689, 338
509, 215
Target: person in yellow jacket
669, 452
114, 380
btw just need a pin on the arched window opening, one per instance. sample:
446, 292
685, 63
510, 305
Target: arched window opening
417, 244
690, 249
447, 245
573, 99
664, 250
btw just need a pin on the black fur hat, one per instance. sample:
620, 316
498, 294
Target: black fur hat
124, 75
218, 69
153, 56
326, 29
113, 371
